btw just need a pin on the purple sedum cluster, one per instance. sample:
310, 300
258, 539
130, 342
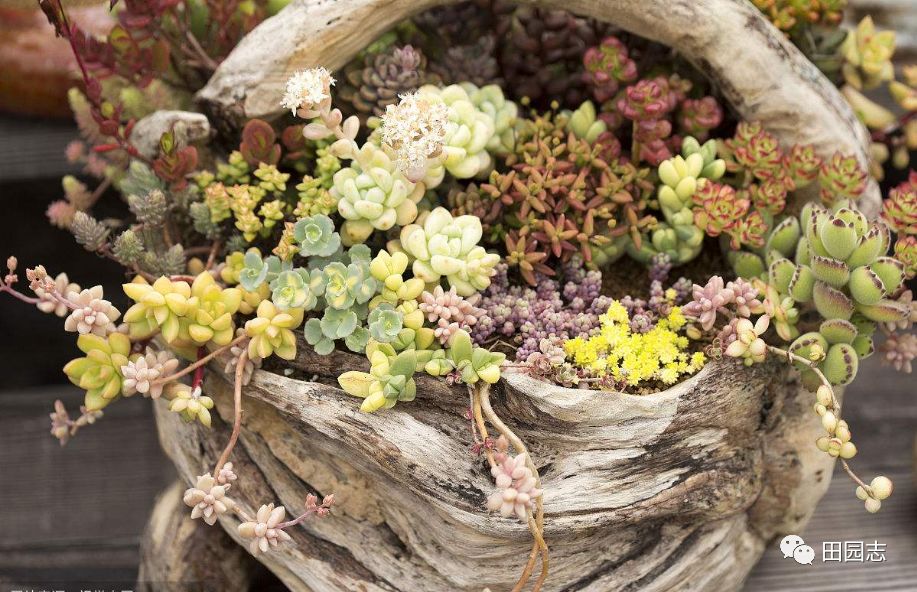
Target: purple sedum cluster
551, 309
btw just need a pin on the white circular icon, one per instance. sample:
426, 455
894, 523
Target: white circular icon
804, 554
789, 544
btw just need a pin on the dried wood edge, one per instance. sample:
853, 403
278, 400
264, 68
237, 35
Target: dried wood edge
762, 75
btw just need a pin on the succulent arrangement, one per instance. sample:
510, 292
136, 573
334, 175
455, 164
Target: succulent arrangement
461, 226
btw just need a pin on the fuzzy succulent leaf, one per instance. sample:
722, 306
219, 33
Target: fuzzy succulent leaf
831, 303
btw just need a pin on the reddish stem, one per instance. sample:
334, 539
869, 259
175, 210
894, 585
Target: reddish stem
199, 371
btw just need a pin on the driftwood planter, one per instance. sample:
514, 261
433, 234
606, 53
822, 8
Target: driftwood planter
676, 490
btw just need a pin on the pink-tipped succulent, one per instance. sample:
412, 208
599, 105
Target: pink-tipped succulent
841, 177
696, 117
49, 302
719, 209
263, 532
899, 211
140, 375
91, 313
450, 311
516, 484
745, 297
207, 500
898, 351
707, 300
607, 66
758, 151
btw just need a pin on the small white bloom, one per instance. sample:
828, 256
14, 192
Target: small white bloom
415, 129
306, 89
92, 314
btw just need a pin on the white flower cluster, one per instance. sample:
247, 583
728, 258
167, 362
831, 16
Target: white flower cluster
415, 130
307, 89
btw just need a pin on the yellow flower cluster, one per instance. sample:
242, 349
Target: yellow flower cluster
659, 354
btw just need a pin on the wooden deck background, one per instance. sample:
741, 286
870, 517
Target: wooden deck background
77, 513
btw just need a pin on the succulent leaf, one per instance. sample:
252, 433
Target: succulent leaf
838, 331
884, 311
831, 303
831, 271
838, 237
840, 364
802, 284
781, 272
866, 286
784, 237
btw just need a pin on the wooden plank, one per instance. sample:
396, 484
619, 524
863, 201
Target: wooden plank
34, 149
81, 506
881, 408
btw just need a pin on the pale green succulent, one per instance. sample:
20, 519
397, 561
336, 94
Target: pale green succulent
389, 270
474, 363
316, 236
334, 325
297, 288
372, 194
834, 262
385, 323
490, 100
585, 124
346, 285
677, 235
390, 378
469, 131
448, 247
256, 271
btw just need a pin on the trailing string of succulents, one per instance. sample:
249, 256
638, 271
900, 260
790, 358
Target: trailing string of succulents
416, 212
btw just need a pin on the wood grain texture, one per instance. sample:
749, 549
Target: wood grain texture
674, 490
762, 75
175, 550
880, 407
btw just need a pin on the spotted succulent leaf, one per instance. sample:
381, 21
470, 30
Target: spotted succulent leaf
831, 271
802, 283
840, 364
884, 311
784, 237
831, 303
781, 272
838, 331
866, 286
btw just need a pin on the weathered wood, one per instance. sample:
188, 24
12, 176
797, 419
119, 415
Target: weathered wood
673, 490
187, 126
762, 75
179, 550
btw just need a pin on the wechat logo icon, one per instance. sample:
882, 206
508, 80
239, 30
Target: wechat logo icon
794, 547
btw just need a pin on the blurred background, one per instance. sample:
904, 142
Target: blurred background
77, 513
